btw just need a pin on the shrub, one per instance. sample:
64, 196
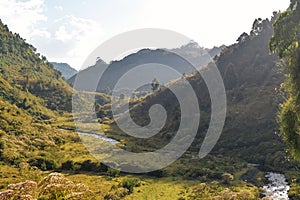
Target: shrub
158, 173
227, 178
68, 165
56, 186
129, 184
43, 163
113, 172
111, 197
2, 145
103, 167
88, 165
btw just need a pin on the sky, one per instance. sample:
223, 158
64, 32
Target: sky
69, 30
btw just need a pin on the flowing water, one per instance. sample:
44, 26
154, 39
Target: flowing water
110, 140
277, 187
101, 137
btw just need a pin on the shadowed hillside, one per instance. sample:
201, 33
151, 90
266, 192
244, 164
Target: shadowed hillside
250, 76
198, 55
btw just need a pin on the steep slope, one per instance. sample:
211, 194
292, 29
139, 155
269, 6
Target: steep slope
29, 72
31, 94
23, 138
250, 76
65, 69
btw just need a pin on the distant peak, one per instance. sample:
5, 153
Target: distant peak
192, 45
99, 61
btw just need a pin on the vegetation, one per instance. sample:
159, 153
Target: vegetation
66, 70
155, 85
29, 73
54, 186
37, 138
285, 43
249, 75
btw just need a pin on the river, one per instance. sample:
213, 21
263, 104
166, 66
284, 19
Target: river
277, 187
110, 140
101, 137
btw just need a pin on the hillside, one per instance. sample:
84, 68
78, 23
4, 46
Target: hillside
250, 76
37, 134
30, 73
146, 56
65, 69
31, 94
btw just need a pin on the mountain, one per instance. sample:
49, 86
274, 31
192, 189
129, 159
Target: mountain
66, 70
35, 104
216, 51
250, 76
33, 95
29, 73
147, 57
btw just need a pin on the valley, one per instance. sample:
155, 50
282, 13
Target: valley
51, 148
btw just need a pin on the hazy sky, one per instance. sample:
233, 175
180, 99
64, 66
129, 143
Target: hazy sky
68, 30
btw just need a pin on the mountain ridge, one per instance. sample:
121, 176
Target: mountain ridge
66, 70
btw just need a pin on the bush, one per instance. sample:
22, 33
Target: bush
88, 165
111, 197
103, 167
56, 186
129, 184
68, 165
158, 173
43, 163
2, 145
113, 172
227, 178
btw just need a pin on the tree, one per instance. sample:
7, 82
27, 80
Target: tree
243, 38
227, 178
285, 42
256, 27
155, 84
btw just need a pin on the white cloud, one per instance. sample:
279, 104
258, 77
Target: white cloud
62, 34
40, 33
59, 8
67, 39
72, 39
208, 22
22, 16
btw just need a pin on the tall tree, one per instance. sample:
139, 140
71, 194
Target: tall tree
285, 43
155, 84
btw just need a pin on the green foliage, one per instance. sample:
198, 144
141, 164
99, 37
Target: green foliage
294, 192
68, 165
113, 172
155, 84
130, 183
247, 69
88, 165
285, 42
26, 71
43, 163
158, 173
227, 178
216, 191
287, 119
